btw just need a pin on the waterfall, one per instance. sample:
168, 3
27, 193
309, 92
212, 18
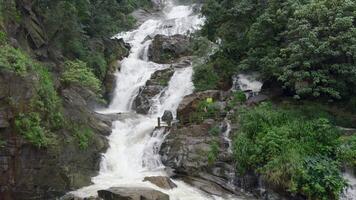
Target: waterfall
134, 142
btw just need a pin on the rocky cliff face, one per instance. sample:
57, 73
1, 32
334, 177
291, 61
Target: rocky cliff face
29, 172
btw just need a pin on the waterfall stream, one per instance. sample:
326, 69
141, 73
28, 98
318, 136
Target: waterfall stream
134, 142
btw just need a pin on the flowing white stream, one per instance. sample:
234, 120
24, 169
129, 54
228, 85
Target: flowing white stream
133, 151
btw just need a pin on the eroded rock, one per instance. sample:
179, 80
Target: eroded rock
167, 49
132, 194
161, 181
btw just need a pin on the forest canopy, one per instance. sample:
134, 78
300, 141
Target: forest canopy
308, 46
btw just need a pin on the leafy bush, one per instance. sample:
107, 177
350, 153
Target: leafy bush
14, 60
237, 97
48, 102
213, 152
3, 36
292, 151
77, 72
29, 125
84, 135
205, 78
214, 131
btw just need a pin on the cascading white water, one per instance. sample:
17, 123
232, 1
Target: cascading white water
350, 193
133, 151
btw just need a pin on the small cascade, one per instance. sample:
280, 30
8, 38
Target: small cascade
247, 83
350, 193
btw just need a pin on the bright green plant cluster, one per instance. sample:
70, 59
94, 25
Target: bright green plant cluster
237, 98
47, 102
30, 126
15, 60
291, 151
213, 152
83, 135
77, 72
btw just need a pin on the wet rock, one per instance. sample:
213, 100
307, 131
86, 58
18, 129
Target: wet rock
206, 186
167, 49
161, 181
159, 80
185, 151
167, 116
183, 63
132, 194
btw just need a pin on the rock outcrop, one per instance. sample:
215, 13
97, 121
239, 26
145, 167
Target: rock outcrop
168, 49
29, 172
185, 151
132, 194
159, 80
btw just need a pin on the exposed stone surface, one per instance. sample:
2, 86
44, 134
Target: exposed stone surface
28, 172
159, 80
185, 151
161, 181
167, 116
132, 194
167, 49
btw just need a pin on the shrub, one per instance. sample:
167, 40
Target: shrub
292, 151
214, 131
213, 152
3, 36
29, 125
83, 135
48, 102
205, 78
14, 60
77, 72
237, 97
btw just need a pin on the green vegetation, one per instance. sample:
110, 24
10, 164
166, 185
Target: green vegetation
308, 46
77, 72
293, 151
77, 28
214, 131
84, 135
237, 98
30, 126
213, 152
205, 78
14, 60
347, 150
205, 110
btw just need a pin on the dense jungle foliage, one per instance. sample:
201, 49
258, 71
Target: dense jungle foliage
308, 46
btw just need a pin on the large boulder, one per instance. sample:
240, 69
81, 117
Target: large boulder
161, 181
159, 80
167, 49
185, 151
132, 194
